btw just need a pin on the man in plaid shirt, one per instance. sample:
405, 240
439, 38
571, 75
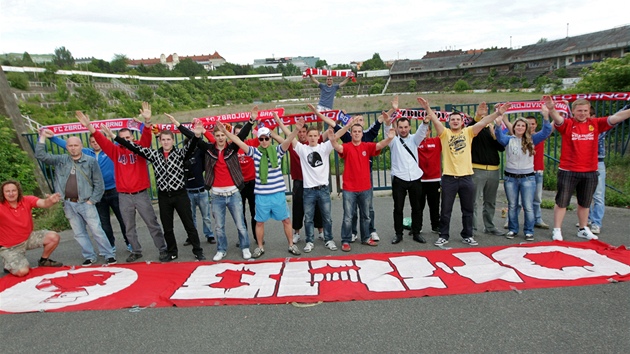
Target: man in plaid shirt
168, 163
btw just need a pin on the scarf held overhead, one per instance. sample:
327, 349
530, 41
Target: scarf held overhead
334, 73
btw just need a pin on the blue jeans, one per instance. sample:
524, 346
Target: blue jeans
350, 202
355, 217
525, 188
110, 201
234, 204
538, 197
201, 200
81, 215
320, 197
596, 214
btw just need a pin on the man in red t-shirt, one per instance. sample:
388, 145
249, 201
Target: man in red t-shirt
430, 162
357, 181
578, 160
16, 229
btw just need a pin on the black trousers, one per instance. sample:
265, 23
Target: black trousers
431, 195
177, 201
400, 188
464, 187
248, 197
110, 201
298, 208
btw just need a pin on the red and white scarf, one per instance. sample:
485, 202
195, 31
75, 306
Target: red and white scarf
334, 73
601, 96
534, 106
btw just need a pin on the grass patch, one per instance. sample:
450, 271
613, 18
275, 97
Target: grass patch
53, 218
550, 204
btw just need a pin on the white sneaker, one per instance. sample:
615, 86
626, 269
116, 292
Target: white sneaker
587, 234
246, 253
557, 235
219, 256
309, 247
354, 238
296, 238
595, 229
331, 245
320, 236
374, 236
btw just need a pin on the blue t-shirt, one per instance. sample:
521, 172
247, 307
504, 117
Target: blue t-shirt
327, 94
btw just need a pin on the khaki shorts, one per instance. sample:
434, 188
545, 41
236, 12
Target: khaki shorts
15, 257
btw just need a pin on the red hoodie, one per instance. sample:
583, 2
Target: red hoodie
130, 169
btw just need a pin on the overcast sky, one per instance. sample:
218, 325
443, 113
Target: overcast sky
336, 31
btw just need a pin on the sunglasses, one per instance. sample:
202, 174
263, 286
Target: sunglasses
264, 138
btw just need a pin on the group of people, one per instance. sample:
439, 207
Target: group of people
228, 171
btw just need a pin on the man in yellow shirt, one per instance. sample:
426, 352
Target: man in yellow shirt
457, 168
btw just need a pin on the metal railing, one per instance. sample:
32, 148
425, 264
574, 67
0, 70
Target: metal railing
617, 142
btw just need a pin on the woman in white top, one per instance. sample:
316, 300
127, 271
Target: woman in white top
519, 177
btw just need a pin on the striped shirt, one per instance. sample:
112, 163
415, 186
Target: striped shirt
275, 180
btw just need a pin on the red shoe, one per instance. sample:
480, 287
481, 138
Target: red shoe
370, 242
345, 247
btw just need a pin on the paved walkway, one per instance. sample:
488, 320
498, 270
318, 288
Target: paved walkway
571, 320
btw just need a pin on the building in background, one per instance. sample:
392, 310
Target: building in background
301, 62
209, 61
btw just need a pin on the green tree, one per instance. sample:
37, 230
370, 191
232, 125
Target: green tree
27, 60
461, 86
14, 162
561, 73
99, 66
188, 67
610, 75
63, 57
321, 64
158, 69
145, 93
376, 63
18, 80
119, 64
376, 89
90, 98
289, 70
411, 87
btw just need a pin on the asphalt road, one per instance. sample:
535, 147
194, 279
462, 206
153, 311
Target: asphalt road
588, 319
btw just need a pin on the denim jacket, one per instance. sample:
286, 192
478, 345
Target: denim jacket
89, 178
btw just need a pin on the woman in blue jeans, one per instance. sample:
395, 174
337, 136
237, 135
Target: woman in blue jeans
519, 176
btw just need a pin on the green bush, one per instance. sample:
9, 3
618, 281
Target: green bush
53, 218
461, 86
14, 162
18, 80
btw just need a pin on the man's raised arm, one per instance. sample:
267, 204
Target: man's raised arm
439, 127
500, 109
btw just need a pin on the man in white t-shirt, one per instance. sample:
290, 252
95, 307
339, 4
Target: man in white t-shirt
315, 162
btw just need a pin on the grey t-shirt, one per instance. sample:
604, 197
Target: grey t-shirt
327, 94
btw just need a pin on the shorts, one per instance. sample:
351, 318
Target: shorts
321, 108
271, 206
15, 257
584, 183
